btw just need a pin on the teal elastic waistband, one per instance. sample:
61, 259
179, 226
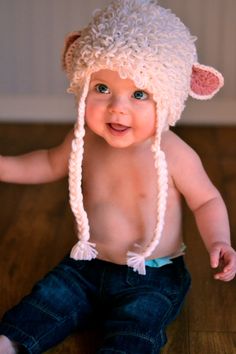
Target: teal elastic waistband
158, 262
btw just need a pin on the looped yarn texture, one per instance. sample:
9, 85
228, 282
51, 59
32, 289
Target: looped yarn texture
142, 41
150, 45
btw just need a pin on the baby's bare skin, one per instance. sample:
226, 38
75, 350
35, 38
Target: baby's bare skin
120, 191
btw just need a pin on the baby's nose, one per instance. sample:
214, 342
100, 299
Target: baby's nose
118, 105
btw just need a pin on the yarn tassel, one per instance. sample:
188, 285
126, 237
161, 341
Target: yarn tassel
137, 262
84, 250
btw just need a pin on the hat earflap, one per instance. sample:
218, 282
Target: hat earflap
205, 82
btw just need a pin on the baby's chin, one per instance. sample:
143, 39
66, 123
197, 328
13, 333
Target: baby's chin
121, 144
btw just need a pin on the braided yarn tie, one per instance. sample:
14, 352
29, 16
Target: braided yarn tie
84, 250
137, 262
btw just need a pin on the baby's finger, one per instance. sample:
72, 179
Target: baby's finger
225, 276
230, 264
214, 257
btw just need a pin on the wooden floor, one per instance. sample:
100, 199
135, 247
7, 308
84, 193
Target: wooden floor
36, 231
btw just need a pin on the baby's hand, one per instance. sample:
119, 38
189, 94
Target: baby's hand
223, 256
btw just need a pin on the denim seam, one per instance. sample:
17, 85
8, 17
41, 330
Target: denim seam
163, 340
167, 314
48, 332
21, 332
57, 318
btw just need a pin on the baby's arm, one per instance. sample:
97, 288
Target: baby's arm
38, 166
207, 205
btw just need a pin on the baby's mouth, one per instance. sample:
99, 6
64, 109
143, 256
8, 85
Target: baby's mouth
118, 127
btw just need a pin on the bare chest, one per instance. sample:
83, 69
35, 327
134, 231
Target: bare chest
120, 197
119, 179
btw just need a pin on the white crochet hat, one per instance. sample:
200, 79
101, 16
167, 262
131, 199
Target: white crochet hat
150, 45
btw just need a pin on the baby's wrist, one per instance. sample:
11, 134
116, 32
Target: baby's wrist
218, 245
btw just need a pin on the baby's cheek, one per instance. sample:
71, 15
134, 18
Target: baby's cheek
90, 110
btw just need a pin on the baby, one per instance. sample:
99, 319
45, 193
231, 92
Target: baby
131, 71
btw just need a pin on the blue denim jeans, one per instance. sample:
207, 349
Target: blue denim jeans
133, 310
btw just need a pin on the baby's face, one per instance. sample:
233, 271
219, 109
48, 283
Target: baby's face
118, 111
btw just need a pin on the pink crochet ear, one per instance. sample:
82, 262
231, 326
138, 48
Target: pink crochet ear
205, 82
68, 50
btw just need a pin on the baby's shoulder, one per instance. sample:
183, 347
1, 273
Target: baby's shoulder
170, 142
177, 151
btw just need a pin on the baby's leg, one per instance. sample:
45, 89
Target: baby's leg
56, 306
141, 311
6, 346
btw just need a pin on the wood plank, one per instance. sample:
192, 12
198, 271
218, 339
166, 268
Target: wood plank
16, 139
212, 343
226, 138
201, 139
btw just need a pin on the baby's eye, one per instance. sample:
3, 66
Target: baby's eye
101, 88
140, 95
